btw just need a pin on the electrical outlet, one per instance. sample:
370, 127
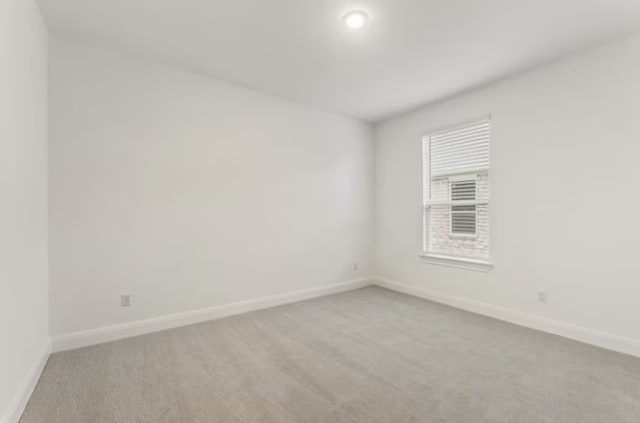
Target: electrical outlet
542, 296
125, 300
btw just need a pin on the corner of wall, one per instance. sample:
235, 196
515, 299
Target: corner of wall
25, 390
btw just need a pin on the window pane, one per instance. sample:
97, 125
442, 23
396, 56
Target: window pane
442, 240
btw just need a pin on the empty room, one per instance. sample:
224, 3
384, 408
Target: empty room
305, 211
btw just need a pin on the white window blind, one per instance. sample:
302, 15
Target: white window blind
456, 192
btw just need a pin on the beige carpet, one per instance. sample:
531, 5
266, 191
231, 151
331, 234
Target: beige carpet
369, 355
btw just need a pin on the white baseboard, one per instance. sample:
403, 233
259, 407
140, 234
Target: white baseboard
141, 327
111, 333
578, 333
17, 406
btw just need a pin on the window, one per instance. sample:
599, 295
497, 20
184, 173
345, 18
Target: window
456, 194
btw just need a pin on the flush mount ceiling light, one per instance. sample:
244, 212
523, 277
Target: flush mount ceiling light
355, 19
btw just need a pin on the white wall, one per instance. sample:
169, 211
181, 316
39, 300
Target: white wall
24, 332
564, 191
188, 193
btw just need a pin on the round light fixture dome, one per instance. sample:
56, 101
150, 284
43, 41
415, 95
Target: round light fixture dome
355, 19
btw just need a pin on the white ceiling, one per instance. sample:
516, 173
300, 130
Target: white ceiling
413, 52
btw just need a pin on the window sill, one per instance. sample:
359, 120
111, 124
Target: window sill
460, 263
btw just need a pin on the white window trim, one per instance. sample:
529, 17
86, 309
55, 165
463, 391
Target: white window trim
457, 262
444, 260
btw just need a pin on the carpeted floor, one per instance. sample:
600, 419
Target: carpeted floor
369, 355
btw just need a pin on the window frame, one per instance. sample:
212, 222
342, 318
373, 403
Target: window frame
461, 262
